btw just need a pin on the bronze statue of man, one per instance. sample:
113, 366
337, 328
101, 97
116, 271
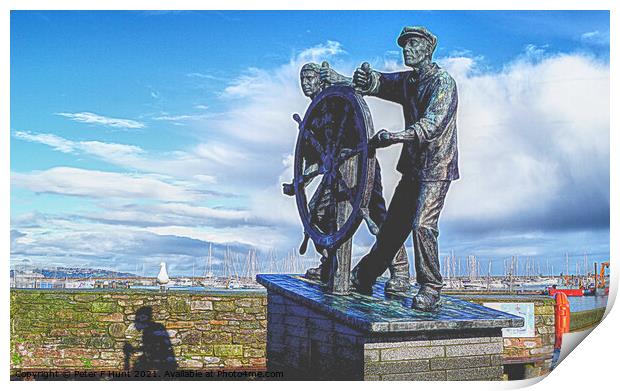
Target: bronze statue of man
310, 86
313, 78
428, 162
309, 76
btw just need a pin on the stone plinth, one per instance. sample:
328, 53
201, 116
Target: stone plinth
315, 335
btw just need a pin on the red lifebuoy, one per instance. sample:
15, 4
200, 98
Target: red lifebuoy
562, 317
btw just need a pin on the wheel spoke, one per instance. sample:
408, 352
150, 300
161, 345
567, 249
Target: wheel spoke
346, 154
325, 185
311, 172
311, 137
322, 206
314, 200
341, 128
328, 179
347, 190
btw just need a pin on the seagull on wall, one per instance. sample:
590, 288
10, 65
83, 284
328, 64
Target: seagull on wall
162, 277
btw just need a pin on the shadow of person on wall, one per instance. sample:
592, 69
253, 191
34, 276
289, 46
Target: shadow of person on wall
157, 353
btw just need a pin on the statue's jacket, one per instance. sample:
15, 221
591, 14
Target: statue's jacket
429, 101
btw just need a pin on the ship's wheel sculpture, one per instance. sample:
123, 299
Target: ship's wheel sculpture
334, 174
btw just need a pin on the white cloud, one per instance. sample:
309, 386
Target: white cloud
114, 247
100, 184
197, 163
533, 137
79, 242
459, 66
321, 52
254, 81
222, 153
111, 152
595, 38
262, 238
56, 142
181, 117
205, 178
92, 118
205, 76
169, 214
534, 52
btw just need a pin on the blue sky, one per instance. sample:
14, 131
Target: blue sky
138, 137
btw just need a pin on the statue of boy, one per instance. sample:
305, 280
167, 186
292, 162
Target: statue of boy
313, 78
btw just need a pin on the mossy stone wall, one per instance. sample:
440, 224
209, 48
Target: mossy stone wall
586, 319
53, 329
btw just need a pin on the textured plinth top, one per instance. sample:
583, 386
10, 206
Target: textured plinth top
382, 313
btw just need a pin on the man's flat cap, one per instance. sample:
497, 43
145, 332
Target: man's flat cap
416, 31
311, 66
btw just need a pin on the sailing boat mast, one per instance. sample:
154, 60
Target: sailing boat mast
210, 262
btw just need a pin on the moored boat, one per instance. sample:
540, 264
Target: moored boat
569, 291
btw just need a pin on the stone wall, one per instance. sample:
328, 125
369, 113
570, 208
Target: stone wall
91, 329
535, 352
305, 344
586, 319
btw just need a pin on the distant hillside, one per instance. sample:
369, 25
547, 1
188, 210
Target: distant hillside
71, 272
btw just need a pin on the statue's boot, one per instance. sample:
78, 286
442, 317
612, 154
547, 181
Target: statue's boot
359, 285
314, 273
427, 299
319, 273
399, 273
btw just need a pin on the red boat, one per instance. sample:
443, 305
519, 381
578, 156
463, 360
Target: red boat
568, 291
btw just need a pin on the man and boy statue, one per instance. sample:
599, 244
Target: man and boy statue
427, 164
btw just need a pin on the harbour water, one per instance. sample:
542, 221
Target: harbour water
577, 304
200, 289
584, 303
